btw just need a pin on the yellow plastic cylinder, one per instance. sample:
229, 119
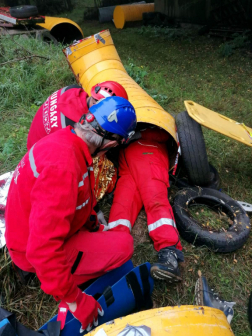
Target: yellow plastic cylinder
51, 22
94, 60
128, 13
173, 321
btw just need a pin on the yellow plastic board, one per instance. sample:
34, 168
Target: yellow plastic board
173, 321
219, 123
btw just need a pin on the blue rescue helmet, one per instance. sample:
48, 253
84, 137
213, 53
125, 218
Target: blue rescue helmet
112, 115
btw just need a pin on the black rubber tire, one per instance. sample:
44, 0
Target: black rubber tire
184, 183
215, 180
193, 150
231, 240
23, 11
250, 310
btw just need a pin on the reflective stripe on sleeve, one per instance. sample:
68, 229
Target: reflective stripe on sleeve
161, 222
83, 204
114, 224
63, 120
81, 183
90, 168
32, 163
63, 90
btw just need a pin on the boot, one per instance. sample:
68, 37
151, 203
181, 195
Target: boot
204, 296
167, 266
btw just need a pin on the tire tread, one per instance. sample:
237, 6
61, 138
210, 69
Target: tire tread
218, 242
193, 149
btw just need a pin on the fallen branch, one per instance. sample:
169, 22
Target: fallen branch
24, 58
32, 55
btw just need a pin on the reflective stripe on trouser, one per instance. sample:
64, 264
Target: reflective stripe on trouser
163, 231
120, 222
141, 184
160, 222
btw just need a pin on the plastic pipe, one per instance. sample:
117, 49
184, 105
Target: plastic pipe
128, 13
106, 13
94, 60
51, 22
164, 321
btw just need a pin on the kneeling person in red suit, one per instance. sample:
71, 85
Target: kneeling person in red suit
51, 227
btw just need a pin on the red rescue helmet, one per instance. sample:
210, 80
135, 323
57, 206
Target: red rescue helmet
108, 89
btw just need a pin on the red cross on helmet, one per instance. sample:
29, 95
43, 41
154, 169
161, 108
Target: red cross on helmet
108, 89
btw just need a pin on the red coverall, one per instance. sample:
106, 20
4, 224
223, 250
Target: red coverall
143, 180
49, 222
51, 116
69, 102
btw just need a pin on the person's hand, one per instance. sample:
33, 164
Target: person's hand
85, 309
101, 218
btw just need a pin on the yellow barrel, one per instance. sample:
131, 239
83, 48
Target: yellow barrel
94, 60
173, 321
128, 13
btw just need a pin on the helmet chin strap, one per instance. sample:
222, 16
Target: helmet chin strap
100, 150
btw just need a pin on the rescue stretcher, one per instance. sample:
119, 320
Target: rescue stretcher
121, 291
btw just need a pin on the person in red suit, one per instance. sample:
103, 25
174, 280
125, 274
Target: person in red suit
51, 227
66, 106
143, 181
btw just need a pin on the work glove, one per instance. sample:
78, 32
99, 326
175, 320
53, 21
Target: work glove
101, 218
86, 312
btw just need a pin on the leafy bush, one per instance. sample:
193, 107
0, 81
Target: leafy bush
226, 49
45, 7
139, 74
166, 32
136, 72
239, 41
160, 98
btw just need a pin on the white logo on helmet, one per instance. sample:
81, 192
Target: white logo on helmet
104, 93
112, 117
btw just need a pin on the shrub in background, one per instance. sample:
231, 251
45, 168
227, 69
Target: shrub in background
45, 7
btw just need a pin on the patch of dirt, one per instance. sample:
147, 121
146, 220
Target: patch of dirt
140, 229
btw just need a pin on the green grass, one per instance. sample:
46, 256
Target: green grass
172, 69
207, 218
24, 86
